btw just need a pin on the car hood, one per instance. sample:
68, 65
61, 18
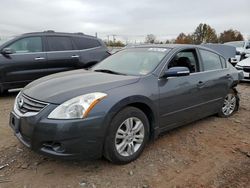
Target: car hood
245, 62
60, 87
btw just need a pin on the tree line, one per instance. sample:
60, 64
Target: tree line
203, 33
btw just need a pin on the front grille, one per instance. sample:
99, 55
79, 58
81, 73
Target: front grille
246, 69
26, 104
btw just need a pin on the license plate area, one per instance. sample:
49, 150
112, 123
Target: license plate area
246, 74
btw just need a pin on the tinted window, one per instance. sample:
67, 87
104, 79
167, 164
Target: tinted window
29, 44
59, 43
85, 43
186, 58
211, 61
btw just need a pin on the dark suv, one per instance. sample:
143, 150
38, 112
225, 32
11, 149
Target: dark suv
34, 55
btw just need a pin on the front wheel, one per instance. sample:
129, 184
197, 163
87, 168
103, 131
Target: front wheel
230, 105
127, 136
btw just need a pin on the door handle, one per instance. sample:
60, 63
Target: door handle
39, 58
201, 84
75, 56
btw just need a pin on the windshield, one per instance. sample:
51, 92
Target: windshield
237, 44
137, 61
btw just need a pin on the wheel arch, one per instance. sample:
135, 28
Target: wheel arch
144, 104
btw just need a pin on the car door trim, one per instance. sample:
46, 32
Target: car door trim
190, 107
56, 51
74, 50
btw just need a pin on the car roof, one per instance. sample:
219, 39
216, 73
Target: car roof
173, 46
237, 41
53, 33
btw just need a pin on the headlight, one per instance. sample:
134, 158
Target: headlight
16, 100
78, 107
238, 67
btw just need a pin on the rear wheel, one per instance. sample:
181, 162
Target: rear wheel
127, 136
230, 105
1, 90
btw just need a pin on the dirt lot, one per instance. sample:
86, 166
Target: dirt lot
213, 152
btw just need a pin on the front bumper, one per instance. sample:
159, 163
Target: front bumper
72, 139
246, 73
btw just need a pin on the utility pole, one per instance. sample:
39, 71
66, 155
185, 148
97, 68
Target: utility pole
114, 37
108, 38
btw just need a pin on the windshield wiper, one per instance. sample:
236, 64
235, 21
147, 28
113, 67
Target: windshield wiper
109, 71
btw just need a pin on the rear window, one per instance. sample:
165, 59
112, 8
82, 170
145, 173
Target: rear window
211, 61
86, 43
59, 43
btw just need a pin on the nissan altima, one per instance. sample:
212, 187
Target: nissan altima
115, 108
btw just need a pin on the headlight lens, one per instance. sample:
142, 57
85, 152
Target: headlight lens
16, 99
238, 67
78, 107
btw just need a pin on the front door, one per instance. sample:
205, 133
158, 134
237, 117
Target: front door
180, 96
27, 63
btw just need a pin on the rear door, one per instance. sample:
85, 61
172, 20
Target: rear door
27, 63
215, 79
91, 50
62, 55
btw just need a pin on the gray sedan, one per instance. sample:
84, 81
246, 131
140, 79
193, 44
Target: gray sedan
132, 96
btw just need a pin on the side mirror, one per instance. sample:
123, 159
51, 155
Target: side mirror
176, 72
7, 51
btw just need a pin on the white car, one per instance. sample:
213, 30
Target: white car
244, 66
242, 49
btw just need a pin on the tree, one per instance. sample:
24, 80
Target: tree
230, 35
115, 43
150, 38
170, 41
205, 34
184, 39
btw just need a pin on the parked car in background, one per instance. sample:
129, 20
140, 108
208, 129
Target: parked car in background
227, 51
34, 55
242, 49
131, 96
244, 66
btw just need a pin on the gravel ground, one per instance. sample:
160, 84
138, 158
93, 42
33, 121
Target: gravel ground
213, 152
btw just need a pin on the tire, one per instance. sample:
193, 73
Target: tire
230, 104
1, 91
127, 136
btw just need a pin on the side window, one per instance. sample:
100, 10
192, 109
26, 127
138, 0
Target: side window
186, 58
211, 61
27, 45
86, 43
59, 43
224, 62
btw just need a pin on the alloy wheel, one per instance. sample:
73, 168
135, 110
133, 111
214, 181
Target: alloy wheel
229, 104
129, 136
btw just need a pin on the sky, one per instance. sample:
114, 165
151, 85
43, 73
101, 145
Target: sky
128, 20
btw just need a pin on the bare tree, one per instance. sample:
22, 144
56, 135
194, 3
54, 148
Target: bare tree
150, 38
204, 33
184, 39
230, 35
